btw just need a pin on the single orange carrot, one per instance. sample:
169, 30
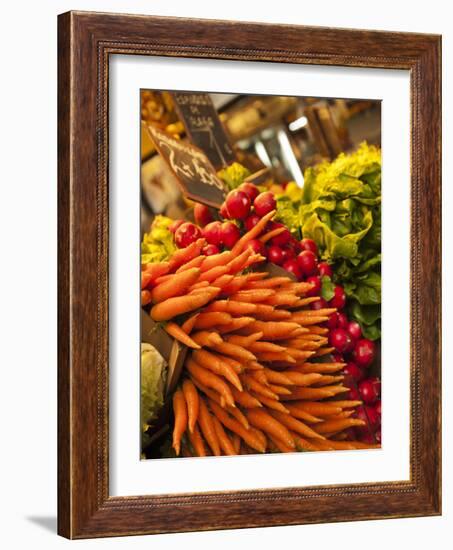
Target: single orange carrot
245, 399
185, 255
196, 286
214, 273
189, 323
253, 233
216, 259
271, 403
282, 299
253, 384
172, 307
266, 312
244, 341
180, 412
318, 409
206, 339
236, 323
239, 262
207, 428
277, 377
300, 379
196, 262
232, 307
212, 320
270, 282
236, 440
280, 445
271, 234
332, 426
222, 281
268, 424
192, 401
279, 390
272, 330
225, 442
300, 414
253, 296
176, 331
197, 442
235, 351
145, 297
303, 444
347, 404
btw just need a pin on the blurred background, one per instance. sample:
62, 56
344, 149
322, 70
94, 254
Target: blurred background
278, 136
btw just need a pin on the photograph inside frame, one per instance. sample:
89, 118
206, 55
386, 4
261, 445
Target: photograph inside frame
260, 274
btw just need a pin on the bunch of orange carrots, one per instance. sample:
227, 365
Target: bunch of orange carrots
250, 383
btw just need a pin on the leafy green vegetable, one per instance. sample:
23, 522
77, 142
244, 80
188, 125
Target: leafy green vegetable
152, 384
327, 288
339, 208
158, 244
233, 175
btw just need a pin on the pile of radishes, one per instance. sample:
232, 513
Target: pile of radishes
241, 211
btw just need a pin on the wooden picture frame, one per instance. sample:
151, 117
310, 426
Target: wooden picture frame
85, 41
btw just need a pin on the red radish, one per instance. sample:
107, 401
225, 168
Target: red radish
212, 233
251, 221
339, 339
337, 357
250, 189
378, 408
315, 281
202, 214
224, 212
373, 418
237, 204
283, 238
339, 298
370, 390
229, 234
353, 393
275, 255
364, 352
353, 371
366, 436
325, 270
210, 249
174, 226
293, 267
319, 304
258, 247
307, 262
354, 330
332, 321
309, 244
295, 245
264, 203
186, 234
342, 320
288, 253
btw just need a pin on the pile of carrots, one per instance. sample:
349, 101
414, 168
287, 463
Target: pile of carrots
250, 383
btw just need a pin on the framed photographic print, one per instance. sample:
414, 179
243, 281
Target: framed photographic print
249, 275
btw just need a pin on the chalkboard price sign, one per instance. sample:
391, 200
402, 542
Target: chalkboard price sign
204, 127
194, 172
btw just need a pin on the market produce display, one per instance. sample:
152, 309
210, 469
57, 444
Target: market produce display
278, 361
